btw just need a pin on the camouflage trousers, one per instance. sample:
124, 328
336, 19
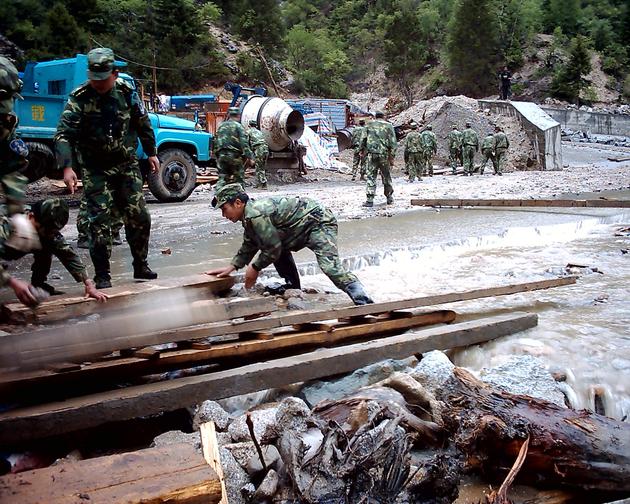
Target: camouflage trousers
487, 155
358, 164
121, 187
378, 163
261, 153
231, 169
427, 163
499, 160
468, 152
454, 158
414, 165
83, 222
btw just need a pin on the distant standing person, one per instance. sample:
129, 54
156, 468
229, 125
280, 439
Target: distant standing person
487, 151
358, 160
501, 145
429, 148
379, 145
454, 148
413, 153
505, 78
273, 227
231, 150
470, 142
98, 132
259, 147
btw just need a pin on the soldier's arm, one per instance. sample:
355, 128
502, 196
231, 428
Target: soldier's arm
393, 144
245, 254
67, 133
14, 187
140, 119
269, 242
61, 249
247, 151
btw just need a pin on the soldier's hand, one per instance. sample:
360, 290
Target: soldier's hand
22, 292
251, 275
91, 292
221, 272
70, 179
154, 163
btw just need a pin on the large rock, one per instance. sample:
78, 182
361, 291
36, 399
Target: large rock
525, 375
433, 370
235, 477
174, 437
262, 419
211, 411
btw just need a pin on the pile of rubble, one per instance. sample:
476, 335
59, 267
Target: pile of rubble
621, 109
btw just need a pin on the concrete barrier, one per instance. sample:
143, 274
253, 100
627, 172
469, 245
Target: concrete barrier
597, 123
542, 130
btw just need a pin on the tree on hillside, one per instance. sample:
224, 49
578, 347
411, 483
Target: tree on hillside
405, 47
563, 13
570, 79
472, 47
517, 21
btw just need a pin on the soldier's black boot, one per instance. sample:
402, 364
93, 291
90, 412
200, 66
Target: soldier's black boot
368, 203
116, 238
102, 281
390, 200
83, 242
143, 272
357, 294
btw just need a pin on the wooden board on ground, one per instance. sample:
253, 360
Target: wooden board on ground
90, 411
171, 474
566, 203
210, 448
120, 331
45, 382
120, 296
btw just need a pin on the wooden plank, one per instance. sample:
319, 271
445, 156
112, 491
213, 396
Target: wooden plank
596, 203
120, 331
301, 317
90, 411
174, 474
35, 383
121, 296
210, 448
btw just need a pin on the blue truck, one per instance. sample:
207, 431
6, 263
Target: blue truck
183, 147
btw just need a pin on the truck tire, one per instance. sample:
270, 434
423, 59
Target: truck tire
41, 162
176, 178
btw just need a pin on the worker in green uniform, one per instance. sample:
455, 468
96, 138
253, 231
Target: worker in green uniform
501, 145
487, 151
470, 143
276, 226
260, 149
46, 219
379, 147
413, 153
99, 130
231, 150
429, 148
358, 159
454, 139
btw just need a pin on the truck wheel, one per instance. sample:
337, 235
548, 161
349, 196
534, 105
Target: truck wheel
41, 162
176, 177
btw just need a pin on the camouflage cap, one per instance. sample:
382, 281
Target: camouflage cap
52, 214
101, 63
226, 193
234, 111
361, 122
253, 122
10, 85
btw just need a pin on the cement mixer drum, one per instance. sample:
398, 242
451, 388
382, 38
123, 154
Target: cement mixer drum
276, 119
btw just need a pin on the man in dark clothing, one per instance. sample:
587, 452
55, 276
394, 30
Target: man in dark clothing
506, 82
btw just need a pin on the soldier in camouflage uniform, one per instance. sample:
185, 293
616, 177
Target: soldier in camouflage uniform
275, 227
83, 225
501, 145
470, 142
429, 148
46, 218
231, 150
13, 151
413, 153
487, 151
454, 148
379, 145
259, 147
358, 160
100, 128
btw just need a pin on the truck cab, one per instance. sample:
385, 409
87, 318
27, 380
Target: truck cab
182, 146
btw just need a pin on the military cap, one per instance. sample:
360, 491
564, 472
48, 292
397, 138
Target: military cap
226, 193
10, 85
414, 125
468, 124
497, 128
429, 127
361, 122
51, 214
234, 111
379, 113
253, 122
101, 63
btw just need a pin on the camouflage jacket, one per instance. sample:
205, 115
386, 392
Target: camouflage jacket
357, 137
501, 140
379, 138
231, 138
413, 142
54, 245
488, 143
103, 130
274, 224
454, 140
13, 159
429, 142
469, 137
256, 139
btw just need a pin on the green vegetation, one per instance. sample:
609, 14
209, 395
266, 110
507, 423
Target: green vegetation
330, 45
569, 81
